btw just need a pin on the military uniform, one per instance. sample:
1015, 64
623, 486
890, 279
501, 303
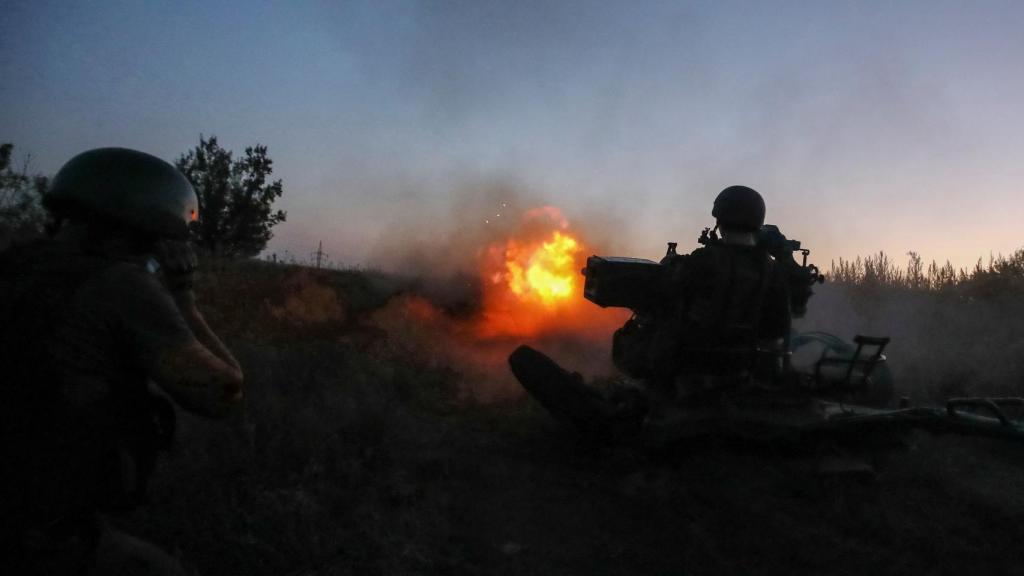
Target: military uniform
718, 304
704, 322
84, 324
728, 297
79, 334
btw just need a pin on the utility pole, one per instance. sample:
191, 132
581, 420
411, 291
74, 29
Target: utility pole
319, 255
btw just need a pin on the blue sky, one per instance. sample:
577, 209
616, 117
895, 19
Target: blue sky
868, 126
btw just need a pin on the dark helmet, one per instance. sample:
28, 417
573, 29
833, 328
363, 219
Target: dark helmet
740, 208
125, 187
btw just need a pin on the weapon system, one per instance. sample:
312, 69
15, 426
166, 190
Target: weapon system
842, 392
640, 284
644, 285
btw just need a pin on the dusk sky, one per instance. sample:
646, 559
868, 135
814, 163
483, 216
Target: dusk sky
867, 126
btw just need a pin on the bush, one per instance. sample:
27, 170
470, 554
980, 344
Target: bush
21, 213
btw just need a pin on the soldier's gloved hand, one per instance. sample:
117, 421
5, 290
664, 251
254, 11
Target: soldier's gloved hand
178, 262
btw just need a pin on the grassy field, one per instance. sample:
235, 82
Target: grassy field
361, 450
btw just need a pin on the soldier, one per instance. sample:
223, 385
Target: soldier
725, 305
88, 317
719, 316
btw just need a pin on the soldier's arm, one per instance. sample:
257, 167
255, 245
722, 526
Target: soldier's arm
197, 379
186, 302
202, 375
172, 343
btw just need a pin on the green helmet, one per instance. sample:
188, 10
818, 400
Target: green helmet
126, 187
740, 208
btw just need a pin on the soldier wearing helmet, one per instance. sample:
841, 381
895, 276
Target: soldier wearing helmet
88, 318
726, 304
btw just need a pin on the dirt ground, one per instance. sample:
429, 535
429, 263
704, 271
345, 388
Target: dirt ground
354, 457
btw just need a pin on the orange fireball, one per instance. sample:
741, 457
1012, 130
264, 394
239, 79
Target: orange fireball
532, 281
548, 273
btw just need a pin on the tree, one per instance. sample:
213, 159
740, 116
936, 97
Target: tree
236, 214
21, 212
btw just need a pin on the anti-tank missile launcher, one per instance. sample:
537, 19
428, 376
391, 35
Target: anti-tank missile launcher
640, 284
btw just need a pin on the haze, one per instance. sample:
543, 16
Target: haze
867, 126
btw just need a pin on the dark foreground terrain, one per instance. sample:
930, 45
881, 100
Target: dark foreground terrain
357, 455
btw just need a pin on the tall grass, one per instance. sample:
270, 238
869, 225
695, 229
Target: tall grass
320, 472
354, 456
954, 331
881, 271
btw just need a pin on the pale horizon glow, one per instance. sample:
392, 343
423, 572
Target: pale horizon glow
868, 126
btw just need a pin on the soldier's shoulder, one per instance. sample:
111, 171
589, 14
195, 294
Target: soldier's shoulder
126, 277
132, 295
718, 254
705, 254
695, 262
676, 260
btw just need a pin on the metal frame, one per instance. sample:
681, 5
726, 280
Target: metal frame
869, 363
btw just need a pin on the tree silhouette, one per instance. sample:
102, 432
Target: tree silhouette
21, 213
236, 198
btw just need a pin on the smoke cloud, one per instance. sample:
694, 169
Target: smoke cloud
944, 344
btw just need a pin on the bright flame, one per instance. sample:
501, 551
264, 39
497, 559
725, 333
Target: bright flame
547, 273
532, 282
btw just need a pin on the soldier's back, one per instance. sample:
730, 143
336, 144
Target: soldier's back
722, 290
